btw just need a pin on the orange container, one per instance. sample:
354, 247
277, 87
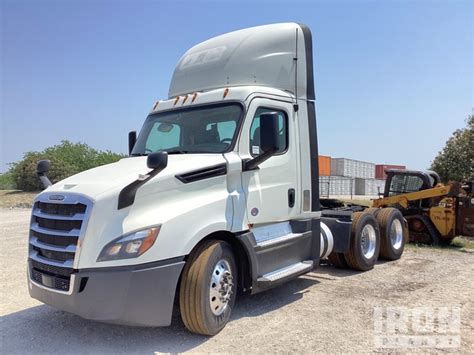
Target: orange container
324, 165
380, 170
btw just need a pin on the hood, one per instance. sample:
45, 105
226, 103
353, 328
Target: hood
102, 179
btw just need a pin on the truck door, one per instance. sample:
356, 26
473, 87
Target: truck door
272, 190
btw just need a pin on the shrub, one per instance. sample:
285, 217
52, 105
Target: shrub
66, 159
7, 181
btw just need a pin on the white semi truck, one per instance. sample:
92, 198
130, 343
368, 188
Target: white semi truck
218, 196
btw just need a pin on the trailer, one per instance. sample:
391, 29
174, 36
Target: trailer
219, 195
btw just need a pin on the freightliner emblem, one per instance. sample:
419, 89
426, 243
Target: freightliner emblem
56, 197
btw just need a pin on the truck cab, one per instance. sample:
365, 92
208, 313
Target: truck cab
219, 195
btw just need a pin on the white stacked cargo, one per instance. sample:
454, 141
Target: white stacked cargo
345, 172
324, 186
369, 186
336, 185
352, 168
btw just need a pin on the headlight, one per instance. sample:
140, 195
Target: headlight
130, 245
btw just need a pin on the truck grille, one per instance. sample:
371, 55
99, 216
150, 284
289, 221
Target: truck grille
56, 227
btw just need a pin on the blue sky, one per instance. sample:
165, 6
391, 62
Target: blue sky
393, 78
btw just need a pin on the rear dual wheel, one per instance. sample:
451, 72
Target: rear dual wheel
393, 233
365, 242
337, 260
373, 211
375, 231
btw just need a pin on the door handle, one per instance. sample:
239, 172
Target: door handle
291, 198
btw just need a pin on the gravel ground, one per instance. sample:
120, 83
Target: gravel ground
327, 310
16, 199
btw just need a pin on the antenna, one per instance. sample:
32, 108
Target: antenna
295, 106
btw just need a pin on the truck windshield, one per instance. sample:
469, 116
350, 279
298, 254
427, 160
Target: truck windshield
206, 129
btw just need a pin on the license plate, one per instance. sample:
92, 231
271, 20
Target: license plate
47, 281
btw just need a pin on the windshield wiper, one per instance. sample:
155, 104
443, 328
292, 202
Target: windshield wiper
176, 151
171, 151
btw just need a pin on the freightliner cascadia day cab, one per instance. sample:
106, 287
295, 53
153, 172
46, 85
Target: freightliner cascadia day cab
218, 196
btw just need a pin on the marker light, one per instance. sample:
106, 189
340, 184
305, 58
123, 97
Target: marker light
130, 245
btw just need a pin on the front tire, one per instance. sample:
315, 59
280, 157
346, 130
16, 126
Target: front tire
208, 290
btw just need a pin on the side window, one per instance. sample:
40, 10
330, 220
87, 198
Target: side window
255, 131
163, 136
405, 183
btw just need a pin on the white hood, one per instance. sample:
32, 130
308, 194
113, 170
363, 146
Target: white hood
97, 181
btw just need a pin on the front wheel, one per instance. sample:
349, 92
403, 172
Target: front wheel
208, 290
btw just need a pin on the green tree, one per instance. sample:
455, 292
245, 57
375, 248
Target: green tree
456, 161
66, 159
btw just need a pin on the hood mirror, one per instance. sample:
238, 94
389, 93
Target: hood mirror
157, 160
42, 167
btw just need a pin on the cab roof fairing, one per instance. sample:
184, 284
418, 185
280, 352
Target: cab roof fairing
257, 56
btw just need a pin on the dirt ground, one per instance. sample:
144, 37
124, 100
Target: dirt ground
16, 199
328, 310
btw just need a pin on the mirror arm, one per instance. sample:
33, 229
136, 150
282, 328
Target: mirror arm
155, 161
45, 181
42, 167
253, 164
127, 194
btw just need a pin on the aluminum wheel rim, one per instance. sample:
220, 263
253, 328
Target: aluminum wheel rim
221, 287
396, 234
368, 241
